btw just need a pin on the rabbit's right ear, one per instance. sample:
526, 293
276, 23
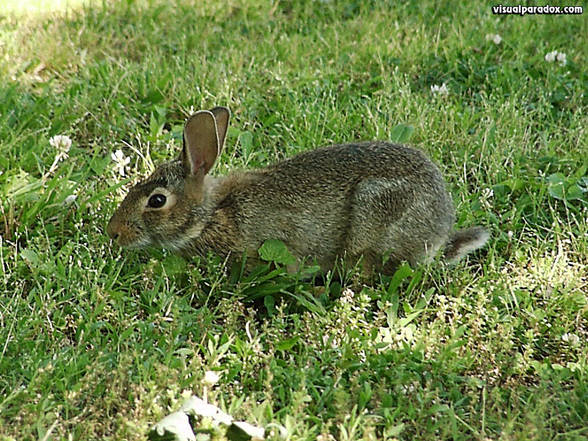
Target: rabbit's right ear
201, 143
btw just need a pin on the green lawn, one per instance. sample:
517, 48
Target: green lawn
101, 343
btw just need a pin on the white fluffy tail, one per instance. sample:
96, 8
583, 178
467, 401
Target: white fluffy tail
462, 242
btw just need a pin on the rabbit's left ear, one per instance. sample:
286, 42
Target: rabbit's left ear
221, 116
201, 143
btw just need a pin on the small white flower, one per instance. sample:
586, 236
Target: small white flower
121, 161
495, 38
211, 378
347, 296
440, 90
550, 56
61, 143
572, 339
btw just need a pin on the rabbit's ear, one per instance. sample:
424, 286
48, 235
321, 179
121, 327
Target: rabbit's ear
201, 146
221, 115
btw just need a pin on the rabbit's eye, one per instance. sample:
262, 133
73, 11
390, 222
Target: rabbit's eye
156, 201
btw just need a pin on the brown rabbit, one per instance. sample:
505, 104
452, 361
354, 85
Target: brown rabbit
367, 199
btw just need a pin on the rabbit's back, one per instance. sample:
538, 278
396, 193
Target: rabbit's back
346, 164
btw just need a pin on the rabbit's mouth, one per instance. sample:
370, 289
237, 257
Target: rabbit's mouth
127, 242
137, 244
126, 234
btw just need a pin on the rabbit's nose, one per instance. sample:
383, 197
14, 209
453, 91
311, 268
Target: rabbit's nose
113, 230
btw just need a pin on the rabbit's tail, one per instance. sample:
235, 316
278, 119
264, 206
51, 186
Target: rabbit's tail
462, 242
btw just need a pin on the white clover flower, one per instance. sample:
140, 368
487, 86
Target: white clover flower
550, 56
572, 339
440, 90
485, 198
211, 378
61, 143
495, 38
561, 57
121, 161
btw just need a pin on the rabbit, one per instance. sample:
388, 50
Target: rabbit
376, 201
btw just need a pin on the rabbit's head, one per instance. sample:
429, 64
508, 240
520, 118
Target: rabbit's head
172, 206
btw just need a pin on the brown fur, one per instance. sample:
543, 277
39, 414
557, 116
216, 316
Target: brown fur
370, 199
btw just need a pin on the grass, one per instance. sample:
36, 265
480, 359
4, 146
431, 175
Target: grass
100, 343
